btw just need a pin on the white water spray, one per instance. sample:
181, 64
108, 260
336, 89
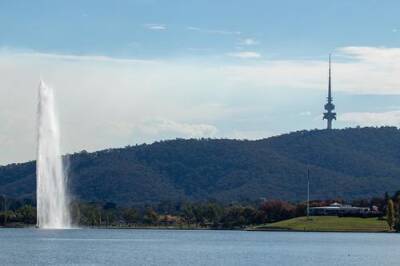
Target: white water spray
51, 193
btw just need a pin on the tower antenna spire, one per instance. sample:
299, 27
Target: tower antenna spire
330, 80
329, 115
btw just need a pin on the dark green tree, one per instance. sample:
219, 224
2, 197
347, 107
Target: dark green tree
390, 215
187, 214
150, 216
130, 215
26, 214
7, 216
90, 214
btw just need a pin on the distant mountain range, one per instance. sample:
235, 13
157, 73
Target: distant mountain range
348, 163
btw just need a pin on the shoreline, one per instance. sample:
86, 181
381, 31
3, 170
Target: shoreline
247, 229
321, 224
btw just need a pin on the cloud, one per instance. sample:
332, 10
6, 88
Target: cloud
369, 69
112, 102
157, 127
251, 134
153, 128
33, 55
248, 42
210, 31
157, 27
305, 113
245, 55
391, 118
106, 102
194, 49
377, 55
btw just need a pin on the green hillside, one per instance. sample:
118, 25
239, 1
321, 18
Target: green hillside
348, 163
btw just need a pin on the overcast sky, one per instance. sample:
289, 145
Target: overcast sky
139, 71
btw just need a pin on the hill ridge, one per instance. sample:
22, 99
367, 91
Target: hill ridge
348, 163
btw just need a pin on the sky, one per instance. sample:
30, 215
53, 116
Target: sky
139, 71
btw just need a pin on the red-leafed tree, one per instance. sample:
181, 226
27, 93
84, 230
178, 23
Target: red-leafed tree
276, 210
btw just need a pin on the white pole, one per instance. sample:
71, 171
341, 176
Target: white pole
308, 193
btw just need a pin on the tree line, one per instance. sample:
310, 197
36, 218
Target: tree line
184, 214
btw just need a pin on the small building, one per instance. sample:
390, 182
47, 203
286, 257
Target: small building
337, 209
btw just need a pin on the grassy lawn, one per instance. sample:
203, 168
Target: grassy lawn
329, 224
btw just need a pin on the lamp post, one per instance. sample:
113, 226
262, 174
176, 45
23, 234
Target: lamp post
308, 193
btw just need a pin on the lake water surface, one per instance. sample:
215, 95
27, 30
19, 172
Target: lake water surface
179, 247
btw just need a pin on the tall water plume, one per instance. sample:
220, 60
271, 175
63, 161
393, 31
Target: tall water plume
51, 192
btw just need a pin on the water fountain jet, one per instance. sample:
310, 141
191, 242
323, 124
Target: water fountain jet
51, 190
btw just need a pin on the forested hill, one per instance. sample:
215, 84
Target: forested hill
348, 163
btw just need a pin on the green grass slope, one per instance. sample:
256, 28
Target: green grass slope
328, 224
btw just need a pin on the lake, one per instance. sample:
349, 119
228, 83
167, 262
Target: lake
202, 247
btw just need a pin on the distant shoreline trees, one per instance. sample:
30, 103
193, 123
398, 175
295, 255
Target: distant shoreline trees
185, 214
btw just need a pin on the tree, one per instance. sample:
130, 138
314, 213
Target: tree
109, 216
233, 217
187, 214
250, 215
276, 210
150, 217
6, 216
27, 214
390, 217
383, 206
212, 213
75, 212
397, 211
130, 216
90, 214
